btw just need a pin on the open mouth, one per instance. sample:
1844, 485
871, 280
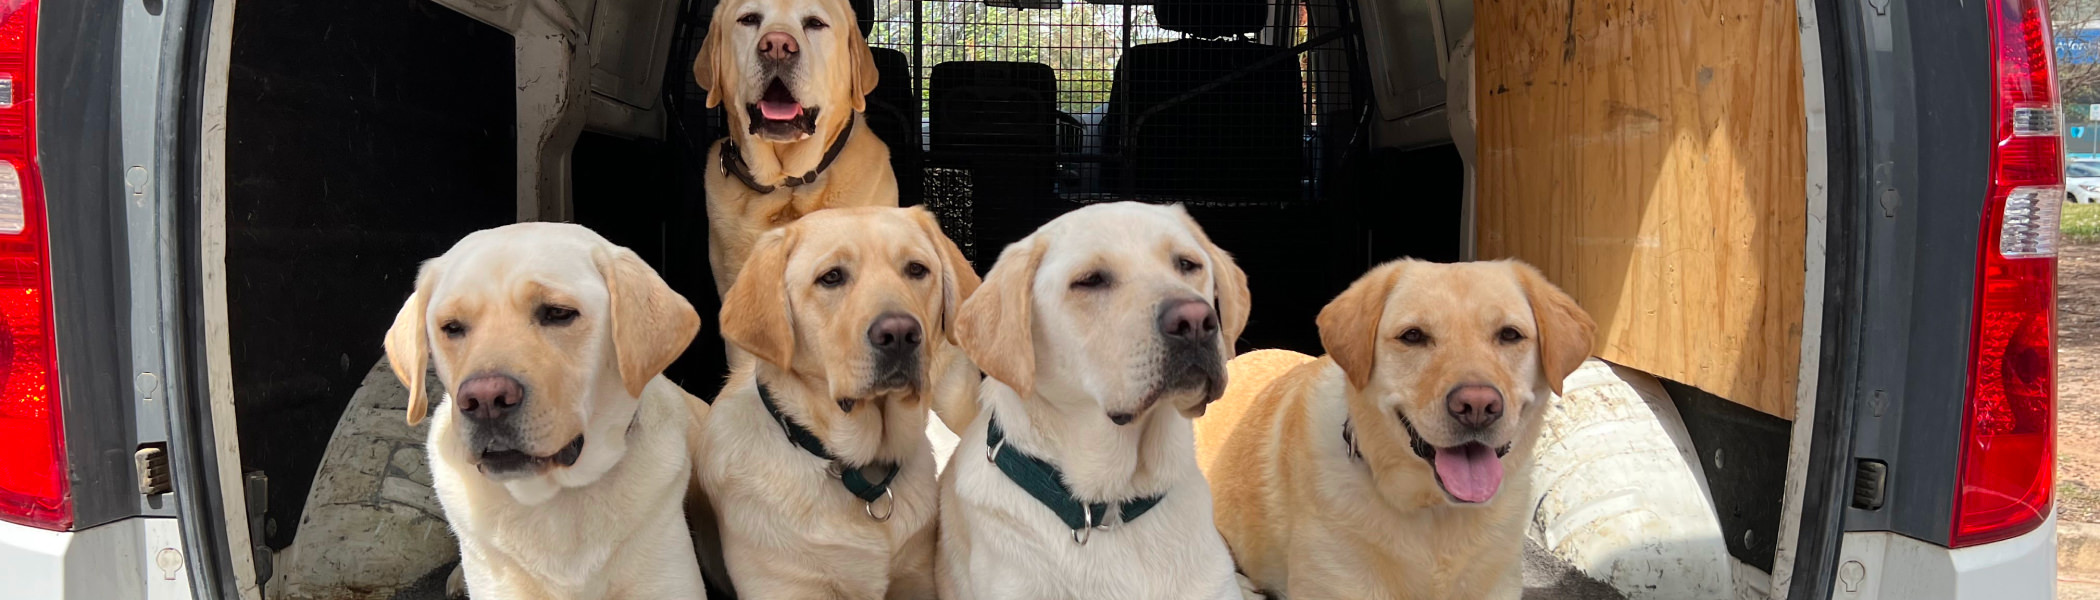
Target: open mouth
778, 114
497, 463
1470, 473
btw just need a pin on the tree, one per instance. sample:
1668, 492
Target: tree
2077, 29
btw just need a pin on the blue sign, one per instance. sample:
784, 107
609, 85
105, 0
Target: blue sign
2077, 132
2078, 47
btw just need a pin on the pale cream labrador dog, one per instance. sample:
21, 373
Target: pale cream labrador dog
1102, 334
815, 457
1398, 466
793, 76
559, 455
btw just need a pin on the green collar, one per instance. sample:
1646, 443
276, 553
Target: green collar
1047, 484
850, 476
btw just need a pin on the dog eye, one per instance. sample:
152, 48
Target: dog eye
1509, 335
454, 329
1187, 266
916, 270
1093, 280
1414, 337
814, 23
750, 19
832, 278
555, 316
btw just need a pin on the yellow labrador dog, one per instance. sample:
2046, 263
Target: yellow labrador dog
794, 76
559, 455
1102, 334
815, 457
1398, 466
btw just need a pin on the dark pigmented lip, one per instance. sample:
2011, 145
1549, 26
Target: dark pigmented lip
504, 462
1428, 452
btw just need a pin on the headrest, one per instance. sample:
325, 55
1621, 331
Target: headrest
1212, 18
864, 11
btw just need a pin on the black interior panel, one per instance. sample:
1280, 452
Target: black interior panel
352, 156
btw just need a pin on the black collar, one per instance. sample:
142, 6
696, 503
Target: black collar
850, 476
733, 161
1047, 484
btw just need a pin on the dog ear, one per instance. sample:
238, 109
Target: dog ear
408, 342
1349, 323
958, 279
1565, 331
713, 66
651, 324
755, 313
995, 326
864, 73
1228, 286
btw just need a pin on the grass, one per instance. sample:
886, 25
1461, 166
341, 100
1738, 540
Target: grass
2082, 223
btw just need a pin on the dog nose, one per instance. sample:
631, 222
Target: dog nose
1475, 406
777, 46
488, 397
1188, 319
895, 332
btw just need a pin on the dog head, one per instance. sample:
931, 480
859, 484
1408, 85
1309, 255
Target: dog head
545, 334
853, 297
1126, 303
785, 68
1458, 356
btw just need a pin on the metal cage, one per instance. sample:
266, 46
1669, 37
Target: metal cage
1002, 114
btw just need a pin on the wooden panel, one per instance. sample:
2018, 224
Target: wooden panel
1649, 157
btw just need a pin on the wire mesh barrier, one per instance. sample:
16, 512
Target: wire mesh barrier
1002, 114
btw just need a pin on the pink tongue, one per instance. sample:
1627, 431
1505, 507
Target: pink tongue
779, 111
1471, 473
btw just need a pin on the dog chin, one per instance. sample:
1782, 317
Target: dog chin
894, 389
533, 490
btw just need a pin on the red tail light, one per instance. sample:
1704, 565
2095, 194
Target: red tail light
33, 478
2008, 451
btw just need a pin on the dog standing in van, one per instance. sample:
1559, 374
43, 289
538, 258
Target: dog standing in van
1398, 466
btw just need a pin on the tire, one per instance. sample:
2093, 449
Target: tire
1620, 494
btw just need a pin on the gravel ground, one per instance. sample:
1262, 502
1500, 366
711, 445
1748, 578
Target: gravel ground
2078, 383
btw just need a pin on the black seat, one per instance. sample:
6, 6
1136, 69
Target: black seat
999, 121
893, 111
1242, 140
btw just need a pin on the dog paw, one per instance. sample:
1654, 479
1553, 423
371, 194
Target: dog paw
456, 584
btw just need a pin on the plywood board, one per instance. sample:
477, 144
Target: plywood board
1648, 156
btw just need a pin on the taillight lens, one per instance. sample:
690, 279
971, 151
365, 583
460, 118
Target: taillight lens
33, 478
2008, 451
